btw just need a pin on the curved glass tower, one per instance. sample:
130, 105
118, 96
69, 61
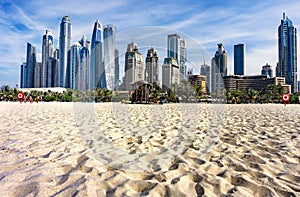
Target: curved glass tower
287, 50
97, 71
64, 48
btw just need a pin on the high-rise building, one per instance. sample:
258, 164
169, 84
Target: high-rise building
47, 52
109, 39
37, 74
239, 59
177, 49
134, 66
151, 72
170, 73
80, 65
205, 70
117, 68
287, 52
75, 65
97, 71
267, 70
22, 75
65, 39
299, 86
218, 69
52, 72
30, 66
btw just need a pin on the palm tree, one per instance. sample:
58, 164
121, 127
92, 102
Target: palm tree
252, 95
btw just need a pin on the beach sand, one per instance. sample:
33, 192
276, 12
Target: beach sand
105, 149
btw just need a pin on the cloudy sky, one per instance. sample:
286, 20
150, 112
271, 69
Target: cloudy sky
203, 24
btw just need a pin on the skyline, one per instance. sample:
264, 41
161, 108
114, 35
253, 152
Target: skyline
205, 24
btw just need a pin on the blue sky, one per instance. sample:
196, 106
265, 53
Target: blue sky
203, 24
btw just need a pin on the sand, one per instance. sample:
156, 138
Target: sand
77, 149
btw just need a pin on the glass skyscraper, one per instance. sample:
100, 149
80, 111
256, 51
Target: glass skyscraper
177, 49
97, 71
109, 39
117, 68
239, 59
287, 52
64, 48
30, 66
47, 52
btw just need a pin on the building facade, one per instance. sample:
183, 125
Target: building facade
22, 75
117, 68
30, 66
256, 82
205, 70
65, 39
198, 80
239, 59
37, 74
218, 69
267, 70
287, 52
134, 66
47, 52
177, 49
109, 39
151, 72
170, 73
97, 70
53, 72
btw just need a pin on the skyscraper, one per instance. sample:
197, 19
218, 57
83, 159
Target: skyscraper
218, 69
287, 52
52, 72
134, 66
47, 51
97, 71
37, 74
177, 49
80, 64
170, 73
267, 70
109, 34
239, 59
22, 75
117, 68
151, 72
64, 48
205, 70
30, 66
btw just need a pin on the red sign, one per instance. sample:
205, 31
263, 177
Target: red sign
20, 95
285, 98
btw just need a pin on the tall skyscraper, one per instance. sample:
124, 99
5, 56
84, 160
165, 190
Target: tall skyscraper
267, 70
84, 69
80, 65
170, 73
218, 69
22, 75
239, 59
97, 71
151, 72
134, 66
37, 74
75, 65
47, 52
117, 68
205, 70
65, 38
287, 52
30, 66
177, 49
109, 34
52, 72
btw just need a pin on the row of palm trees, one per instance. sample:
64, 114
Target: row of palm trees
97, 95
271, 94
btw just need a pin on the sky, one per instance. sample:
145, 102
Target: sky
203, 24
